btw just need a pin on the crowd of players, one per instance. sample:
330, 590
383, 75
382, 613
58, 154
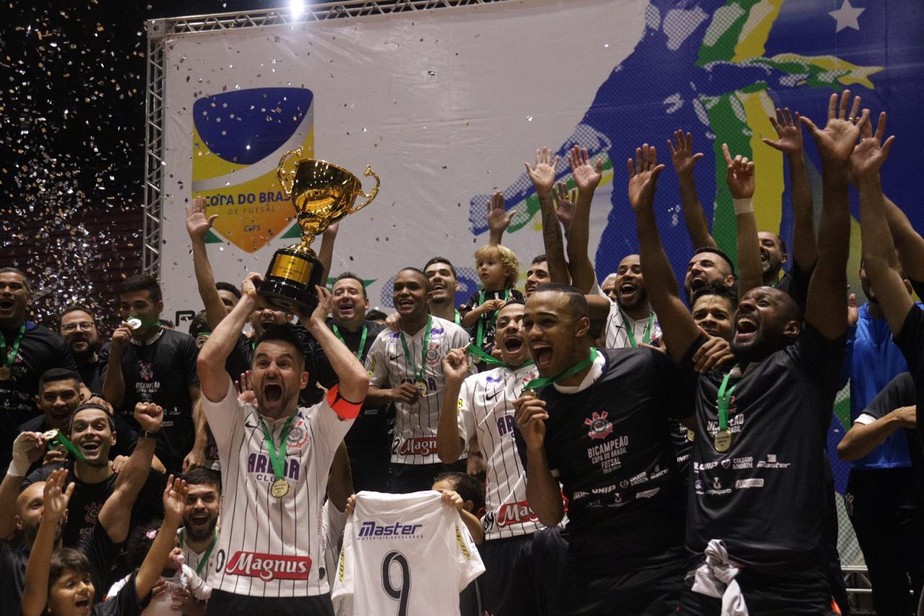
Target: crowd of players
637, 451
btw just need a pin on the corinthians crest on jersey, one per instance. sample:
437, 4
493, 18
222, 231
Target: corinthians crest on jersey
599, 426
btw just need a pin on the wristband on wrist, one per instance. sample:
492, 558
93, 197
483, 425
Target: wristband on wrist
743, 206
18, 468
149, 434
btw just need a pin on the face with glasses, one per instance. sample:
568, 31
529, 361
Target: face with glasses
79, 331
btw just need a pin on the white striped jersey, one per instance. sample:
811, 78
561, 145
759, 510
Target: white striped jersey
193, 559
616, 324
486, 414
268, 546
404, 554
415, 423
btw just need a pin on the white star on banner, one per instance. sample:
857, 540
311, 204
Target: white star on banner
846, 16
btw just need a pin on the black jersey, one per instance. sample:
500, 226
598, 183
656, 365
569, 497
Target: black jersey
765, 496
911, 341
610, 445
161, 371
40, 349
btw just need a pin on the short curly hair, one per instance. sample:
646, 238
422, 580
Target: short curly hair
507, 258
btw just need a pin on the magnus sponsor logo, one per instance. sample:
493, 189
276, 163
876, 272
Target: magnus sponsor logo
515, 513
269, 567
418, 446
374, 530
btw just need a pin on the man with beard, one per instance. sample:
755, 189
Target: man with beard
275, 460
478, 414
761, 426
443, 286
369, 439
631, 321
602, 427
27, 350
405, 368
78, 328
537, 274
199, 534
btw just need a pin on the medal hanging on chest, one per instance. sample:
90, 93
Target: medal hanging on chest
280, 486
723, 436
420, 382
6, 370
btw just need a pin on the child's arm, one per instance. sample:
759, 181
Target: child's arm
35, 590
470, 318
452, 499
150, 570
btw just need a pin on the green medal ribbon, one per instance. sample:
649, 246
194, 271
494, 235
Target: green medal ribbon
458, 318
14, 350
489, 359
418, 373
277, 456
59, 438
362, 339
630, 331
542, 381
723, 401
208, 551
483, 319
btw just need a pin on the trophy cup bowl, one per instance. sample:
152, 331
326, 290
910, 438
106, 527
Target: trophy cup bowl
322, 193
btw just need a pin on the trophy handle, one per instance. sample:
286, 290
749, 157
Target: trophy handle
372, 193
287, 176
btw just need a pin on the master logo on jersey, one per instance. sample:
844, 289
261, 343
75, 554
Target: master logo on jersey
371, 529
238, 139
600, 428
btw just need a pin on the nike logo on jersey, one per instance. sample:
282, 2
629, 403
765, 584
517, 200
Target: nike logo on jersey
493, 394
394, 357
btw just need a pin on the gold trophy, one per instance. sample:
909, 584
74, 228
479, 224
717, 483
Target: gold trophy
322, 194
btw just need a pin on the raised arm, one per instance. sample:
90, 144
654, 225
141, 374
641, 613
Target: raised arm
449, 443
789, 142
354, 380
909, 243
543, 179
113, 379
498, 219
116, 515
213, 378
28, 448
879, 256
153, 564
827, 292
197, 226
35, 590
326, 251
587, 175
739, 174
542, 490
677, 324
684, 161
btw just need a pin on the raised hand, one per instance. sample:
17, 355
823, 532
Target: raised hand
543, 174
455, 365
643, 176
197, 223
56, 496
739, 173
837, 140
149, 416
175, 500
586, 174
564, 205
498, 219
870, 154
788, 131
682, 153
530, 417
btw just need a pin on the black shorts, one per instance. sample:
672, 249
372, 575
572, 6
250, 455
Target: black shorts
797, 594
647, 591
538, 561
223, 603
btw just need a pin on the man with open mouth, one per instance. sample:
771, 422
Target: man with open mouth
275, 457
601, 425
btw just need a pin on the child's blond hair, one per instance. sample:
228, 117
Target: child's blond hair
507, 258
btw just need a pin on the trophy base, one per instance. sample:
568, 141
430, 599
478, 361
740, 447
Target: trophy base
290, 280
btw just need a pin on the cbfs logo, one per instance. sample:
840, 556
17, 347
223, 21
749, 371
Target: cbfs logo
238, 140
600, 428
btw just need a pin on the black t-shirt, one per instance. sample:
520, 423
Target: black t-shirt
765, 497
91, 376
611, 447
795, 283
162, 372
88, 499
911, 342
40, 349
125, 603
13, 560
901, 392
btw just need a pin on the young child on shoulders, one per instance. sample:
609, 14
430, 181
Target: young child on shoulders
498, 270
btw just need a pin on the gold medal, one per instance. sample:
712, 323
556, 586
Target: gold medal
5, 373
722, 441
422, 388
691, 435
280, 487
50, 435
